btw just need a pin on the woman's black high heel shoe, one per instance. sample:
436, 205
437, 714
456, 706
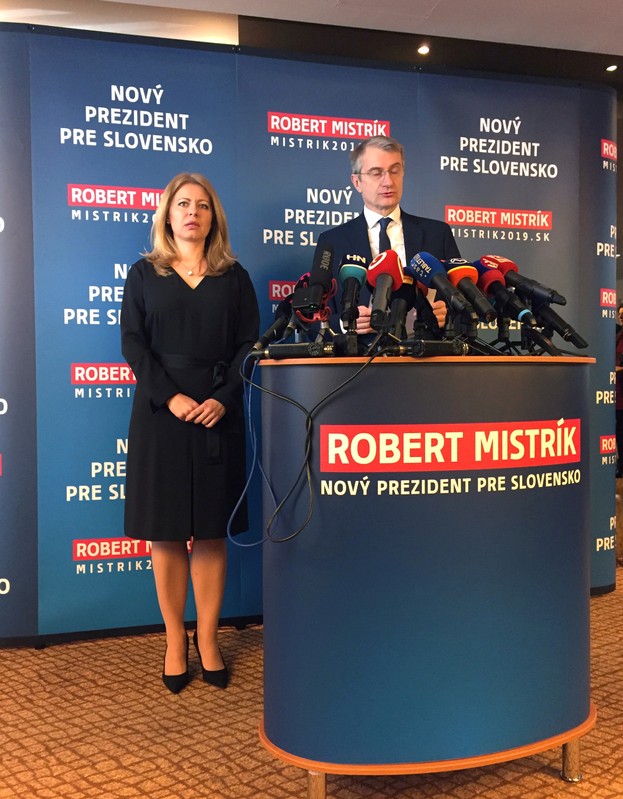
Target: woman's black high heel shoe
175, 682
218, 678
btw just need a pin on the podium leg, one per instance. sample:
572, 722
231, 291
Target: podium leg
316, 785
571, 761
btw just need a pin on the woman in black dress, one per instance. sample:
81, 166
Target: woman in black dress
189, 317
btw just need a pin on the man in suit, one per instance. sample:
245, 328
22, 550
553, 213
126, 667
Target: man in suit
377, 174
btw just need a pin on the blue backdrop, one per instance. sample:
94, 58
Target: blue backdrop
106, 125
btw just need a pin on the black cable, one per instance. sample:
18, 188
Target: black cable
305, 467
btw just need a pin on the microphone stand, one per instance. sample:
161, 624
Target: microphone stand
533, 341
463, 328
478, 346
347, 344
504, 336
531, 337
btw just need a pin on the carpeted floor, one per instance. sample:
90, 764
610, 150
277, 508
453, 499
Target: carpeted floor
92, 719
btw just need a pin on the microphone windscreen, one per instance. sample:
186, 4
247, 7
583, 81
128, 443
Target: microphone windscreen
321, 273
500, 262
457, 272
354, 258
425, 266
349, 270
410, 277
386, 263
487, 274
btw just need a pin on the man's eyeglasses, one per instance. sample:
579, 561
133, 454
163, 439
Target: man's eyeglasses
376, 173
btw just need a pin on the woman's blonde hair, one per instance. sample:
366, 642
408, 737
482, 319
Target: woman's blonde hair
218, 254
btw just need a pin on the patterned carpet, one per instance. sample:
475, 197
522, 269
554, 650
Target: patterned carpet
92, 719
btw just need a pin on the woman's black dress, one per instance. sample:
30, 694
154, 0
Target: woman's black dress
183, 480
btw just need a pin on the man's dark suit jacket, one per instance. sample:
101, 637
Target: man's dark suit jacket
420, 235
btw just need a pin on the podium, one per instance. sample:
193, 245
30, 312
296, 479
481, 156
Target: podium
433, 614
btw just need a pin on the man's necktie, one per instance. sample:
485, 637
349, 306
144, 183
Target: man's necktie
384, 243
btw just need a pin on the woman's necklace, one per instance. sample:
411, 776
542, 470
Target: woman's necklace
198, 267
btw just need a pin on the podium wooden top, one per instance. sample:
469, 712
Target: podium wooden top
464, 360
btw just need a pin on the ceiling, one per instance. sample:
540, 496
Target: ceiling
592, 26
589, 25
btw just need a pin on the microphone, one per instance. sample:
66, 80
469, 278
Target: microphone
311, 298
423, 348
286, 319
491, 282
464, 276
419, 288
305, 349
428, 270
425, 317
528, 289
547, 317
384, 275
400, 303
351, 278
283, 314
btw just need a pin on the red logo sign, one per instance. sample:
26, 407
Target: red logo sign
335, 127
280, 289
88, 374
453, 447
108, 548
80, 194
608, 298
498, 217
609, 149
607, 445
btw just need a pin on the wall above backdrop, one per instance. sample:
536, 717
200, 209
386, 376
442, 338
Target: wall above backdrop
583, 37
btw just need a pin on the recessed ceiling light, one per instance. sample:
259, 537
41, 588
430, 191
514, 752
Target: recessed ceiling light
611, 68
424, 49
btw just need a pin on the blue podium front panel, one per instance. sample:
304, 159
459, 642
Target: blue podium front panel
436, 606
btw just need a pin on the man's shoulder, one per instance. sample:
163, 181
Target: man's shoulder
431, 235
423, 221
344, 230
350, 237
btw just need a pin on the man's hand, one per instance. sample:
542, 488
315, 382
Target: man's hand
363, 320
440, 310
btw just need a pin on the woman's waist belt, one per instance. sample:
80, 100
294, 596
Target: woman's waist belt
174, 361
186, 361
